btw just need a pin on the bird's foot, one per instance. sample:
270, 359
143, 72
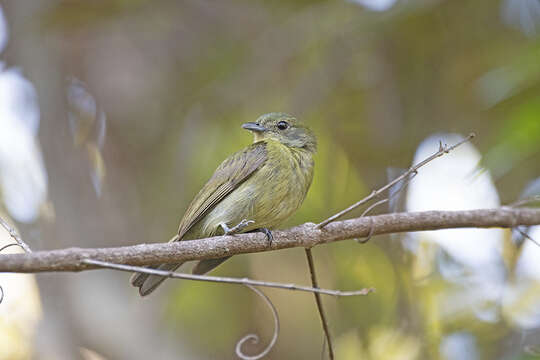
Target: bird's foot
268, 234
237, 228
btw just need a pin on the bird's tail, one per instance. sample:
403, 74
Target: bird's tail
148, 283
205, 266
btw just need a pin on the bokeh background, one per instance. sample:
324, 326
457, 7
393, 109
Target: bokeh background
114, 113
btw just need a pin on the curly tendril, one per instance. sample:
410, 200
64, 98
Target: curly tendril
254, 338
9, 245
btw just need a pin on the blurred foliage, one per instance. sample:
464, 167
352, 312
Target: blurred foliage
192, 300
176, 80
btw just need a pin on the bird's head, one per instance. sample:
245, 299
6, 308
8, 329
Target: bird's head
283, 128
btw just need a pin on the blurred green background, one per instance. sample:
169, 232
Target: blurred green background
173, 81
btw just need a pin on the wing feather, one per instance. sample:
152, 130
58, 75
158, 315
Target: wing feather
232, 172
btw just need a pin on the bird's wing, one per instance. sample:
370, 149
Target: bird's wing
236, 169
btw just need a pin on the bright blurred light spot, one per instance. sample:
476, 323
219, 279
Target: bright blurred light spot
18, 100
376, 5
391, 344
522, 296
382, 344
470, 258
454, 182
88, 354
23, 178
4, 34
523, 15
459, 346
497, 85
88, 126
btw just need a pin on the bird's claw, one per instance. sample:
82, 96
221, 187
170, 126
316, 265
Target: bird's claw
268, 234
237, 228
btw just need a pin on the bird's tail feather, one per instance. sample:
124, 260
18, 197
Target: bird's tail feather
205, 266
148, 283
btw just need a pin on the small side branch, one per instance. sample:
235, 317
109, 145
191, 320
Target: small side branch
443, 149
15, 235
526, 236
227, 280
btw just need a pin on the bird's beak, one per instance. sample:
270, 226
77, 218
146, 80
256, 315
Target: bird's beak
252, 126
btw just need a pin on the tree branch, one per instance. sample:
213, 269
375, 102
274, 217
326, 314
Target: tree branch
443, 149
306, 235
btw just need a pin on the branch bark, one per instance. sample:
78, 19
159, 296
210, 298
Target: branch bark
306, 235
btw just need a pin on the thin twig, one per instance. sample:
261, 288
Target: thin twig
526, 236
380, 202
443, 149
373, 206
314, 283
13, 233
397, 193
254, 337
9, 245
526, 201
226, 280
392, 195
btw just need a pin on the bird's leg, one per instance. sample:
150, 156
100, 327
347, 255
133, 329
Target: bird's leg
268, 234
237, 228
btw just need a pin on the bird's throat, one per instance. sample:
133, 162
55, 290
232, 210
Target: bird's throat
257, 136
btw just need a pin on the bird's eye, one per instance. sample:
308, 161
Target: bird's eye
282, 125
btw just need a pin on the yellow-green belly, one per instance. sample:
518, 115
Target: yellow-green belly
268, 197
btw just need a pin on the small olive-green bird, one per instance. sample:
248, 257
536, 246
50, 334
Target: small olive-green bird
255, 189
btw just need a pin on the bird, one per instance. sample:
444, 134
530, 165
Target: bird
254, 189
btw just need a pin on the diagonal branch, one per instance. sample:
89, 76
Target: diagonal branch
306, 235
15, 235
443, 149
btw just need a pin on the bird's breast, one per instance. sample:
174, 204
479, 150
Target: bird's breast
269, 196
282, 185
